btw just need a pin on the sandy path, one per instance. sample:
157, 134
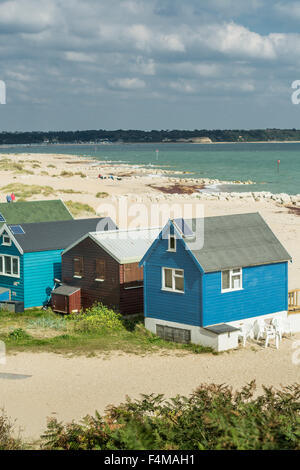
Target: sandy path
69, 388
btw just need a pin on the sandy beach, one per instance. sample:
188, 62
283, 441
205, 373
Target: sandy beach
69, 388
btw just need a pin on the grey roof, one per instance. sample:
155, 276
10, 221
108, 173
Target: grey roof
65, 290
126, 246
58, 235
234, 241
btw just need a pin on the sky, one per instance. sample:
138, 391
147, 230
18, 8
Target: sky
149, 64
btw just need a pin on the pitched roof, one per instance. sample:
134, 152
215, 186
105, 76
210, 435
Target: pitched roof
126, 246
234, 241
46, 236
33, 211
65, 290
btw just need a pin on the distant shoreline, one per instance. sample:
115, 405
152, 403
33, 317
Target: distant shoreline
81, 144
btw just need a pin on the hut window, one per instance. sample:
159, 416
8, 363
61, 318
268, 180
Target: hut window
100, 269
133, 275
10, 266
232, 280
172, 243
78, 267
6, 240
173, 280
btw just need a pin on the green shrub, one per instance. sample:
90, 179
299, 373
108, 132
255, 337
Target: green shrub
18, 334
101, 195
7, 441
48, 322
212, 418
96, 319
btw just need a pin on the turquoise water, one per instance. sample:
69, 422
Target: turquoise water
255, 162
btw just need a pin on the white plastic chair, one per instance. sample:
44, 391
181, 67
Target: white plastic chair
259, 328
272, 333
246, 331
278, 325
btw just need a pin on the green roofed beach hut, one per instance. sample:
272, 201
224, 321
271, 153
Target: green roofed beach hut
33, 211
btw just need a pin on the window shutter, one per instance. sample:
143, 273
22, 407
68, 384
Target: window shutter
100, 269
78, 266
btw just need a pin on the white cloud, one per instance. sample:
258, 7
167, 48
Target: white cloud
144, 66
79, 57
172, 42
28, 14
127, 83
236, 40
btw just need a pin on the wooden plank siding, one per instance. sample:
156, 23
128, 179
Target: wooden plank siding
117, 286
107, 291
131, 288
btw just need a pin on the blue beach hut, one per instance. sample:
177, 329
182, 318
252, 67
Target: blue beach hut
30, 255
202, 277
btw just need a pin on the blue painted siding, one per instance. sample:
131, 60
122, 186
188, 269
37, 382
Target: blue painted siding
264, 291
4, 296
15, 285
40, 269
177, 307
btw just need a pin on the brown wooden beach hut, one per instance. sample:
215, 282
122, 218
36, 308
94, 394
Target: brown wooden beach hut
106, 268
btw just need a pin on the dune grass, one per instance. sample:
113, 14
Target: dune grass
102, 195
78, 208
6, 164
26, 191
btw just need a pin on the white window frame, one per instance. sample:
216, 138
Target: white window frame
4, 243
231, 275
3, 273
173, 237
169, 289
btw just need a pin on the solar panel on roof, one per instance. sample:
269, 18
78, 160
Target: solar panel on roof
2, 219
183, 227
17, 229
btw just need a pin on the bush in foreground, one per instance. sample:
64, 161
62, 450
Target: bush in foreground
213, 417
7, 441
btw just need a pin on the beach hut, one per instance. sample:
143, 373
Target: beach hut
33, 211
203, 277
105, 266
30, 255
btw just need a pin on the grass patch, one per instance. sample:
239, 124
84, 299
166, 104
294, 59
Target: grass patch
79, 173
102, 194
66, 174
9, 165
78, 208
51, 166
98, 330
69, 191
25, 191
44, 173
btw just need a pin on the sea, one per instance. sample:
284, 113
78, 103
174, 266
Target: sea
273, 167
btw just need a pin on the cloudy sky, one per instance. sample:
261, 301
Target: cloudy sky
149, 64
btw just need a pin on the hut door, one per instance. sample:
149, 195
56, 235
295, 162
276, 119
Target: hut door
61, 303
